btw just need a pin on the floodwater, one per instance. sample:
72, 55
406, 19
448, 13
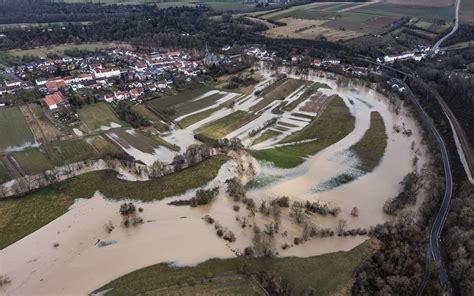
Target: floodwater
368, 192
178, 235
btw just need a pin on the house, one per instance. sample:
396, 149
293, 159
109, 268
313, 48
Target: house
317, 62
109, 98
140, 66
54, 101
41, 81
120, 95
69, 80
54, 86
105, 73
226, 48
12, 83
135, 93
85, 77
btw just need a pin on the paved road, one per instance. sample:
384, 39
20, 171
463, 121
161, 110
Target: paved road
455, 28
437, 227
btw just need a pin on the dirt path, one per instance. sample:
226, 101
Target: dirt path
35, 127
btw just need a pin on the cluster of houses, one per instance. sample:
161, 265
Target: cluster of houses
416, 54
346, 68
112, 76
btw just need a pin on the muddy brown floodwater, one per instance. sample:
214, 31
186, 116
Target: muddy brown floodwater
179, 235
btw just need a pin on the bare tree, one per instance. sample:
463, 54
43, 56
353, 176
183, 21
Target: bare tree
341, 226
297, 211
355, 212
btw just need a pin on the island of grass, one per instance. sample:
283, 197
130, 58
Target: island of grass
370, 149
335, 123
23, 215
321, 275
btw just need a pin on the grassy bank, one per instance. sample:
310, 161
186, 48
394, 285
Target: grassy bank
21, 216
331, 126
371, 147
323, 275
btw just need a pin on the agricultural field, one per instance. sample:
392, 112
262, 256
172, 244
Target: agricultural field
394, 10
149, 115
43, 129
189, 120
14, 129
347, 21
466, 12
223, 126
182, 102
36, 160
279, 90
309, 29
95, 117
132, 138
56, 50
325, 275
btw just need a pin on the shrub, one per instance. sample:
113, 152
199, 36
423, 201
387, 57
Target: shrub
235, 189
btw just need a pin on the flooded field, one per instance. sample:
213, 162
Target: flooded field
89, 245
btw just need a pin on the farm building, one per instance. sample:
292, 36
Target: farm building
55, 101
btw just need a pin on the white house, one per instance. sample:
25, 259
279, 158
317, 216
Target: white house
105, 73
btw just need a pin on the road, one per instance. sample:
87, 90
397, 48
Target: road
437, 227
455, 28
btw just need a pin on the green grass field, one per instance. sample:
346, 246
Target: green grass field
393, 10
323, 275
5, 172
22, 215
33, 160
268, 134
137, 140
194, 106
371, 147
227, 124
331, 126
192, 119
14, 130
150, 116
94, 116
179, 101
466, 12
36, 160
